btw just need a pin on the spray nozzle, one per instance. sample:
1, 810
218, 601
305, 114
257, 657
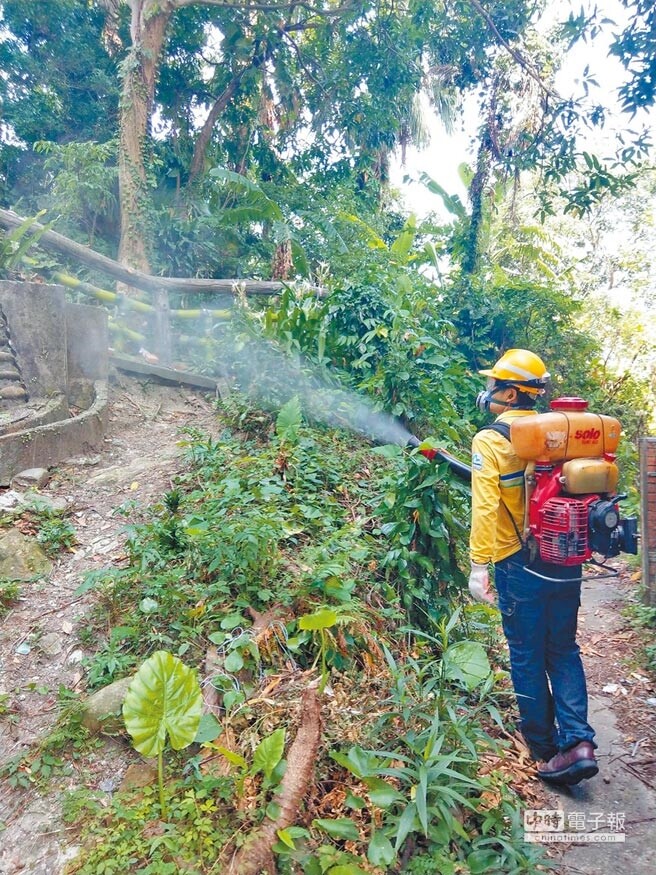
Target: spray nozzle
460, 469
414, 443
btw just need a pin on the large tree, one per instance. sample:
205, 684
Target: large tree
59, 83
254, 84
348, 72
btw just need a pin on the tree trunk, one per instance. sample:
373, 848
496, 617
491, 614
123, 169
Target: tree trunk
255, 854
282, 262
205, 135
148, 30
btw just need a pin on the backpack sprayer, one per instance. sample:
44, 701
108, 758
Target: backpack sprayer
572, 508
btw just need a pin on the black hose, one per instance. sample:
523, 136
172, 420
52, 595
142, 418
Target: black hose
460, 469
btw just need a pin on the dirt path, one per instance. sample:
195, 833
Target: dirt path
140, 457
622, 798
139, 460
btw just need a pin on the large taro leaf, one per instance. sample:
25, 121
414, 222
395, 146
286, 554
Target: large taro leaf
322, 619
164, 697
467, 662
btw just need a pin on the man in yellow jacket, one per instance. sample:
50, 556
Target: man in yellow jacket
539, 616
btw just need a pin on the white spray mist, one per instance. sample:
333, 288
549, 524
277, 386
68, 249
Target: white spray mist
265, 374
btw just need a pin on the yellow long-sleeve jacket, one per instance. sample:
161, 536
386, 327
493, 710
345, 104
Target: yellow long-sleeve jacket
497, 474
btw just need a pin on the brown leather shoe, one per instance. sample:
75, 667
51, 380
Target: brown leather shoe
571, 766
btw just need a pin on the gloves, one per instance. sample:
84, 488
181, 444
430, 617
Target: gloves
479, 584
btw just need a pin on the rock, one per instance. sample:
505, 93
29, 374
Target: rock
49, 503
82, 461
13, 392
110, 475
10, 500
138, 775
30, 478
127, 473
75, 657
103, 708
50, 644
38, 850
21, 558
109, 785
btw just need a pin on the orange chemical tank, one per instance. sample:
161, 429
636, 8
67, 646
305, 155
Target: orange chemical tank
569, 431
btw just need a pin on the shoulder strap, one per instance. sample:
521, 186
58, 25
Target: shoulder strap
502, 428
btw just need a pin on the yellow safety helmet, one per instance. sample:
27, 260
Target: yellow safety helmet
522, 368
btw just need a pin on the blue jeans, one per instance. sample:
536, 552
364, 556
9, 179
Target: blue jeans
539, 621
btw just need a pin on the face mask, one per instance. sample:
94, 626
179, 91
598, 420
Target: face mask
485, 398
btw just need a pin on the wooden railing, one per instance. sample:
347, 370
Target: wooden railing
158, 286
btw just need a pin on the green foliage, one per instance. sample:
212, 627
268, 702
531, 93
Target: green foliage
258, 524
467, 662
61, 46
269, 84
423, 786
264, 209
49, 762
56, 533
314, 498
635, 46
380, 331
267, 763
422, 509
358, 551
114, 659
34, 770
288, 421
643, 616
163, 699
201, 817
319, 621
9, 591
83, 186
127, 833
16, 243
496, 313
60, 86
268, 753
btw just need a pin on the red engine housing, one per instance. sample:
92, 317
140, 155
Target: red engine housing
559, 523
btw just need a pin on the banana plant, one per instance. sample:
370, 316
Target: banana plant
255, 206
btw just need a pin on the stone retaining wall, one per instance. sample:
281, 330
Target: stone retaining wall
61, 350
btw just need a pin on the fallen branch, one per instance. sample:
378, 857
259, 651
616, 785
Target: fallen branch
256, 855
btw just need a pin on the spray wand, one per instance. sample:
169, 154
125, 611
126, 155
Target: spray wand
460, 469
